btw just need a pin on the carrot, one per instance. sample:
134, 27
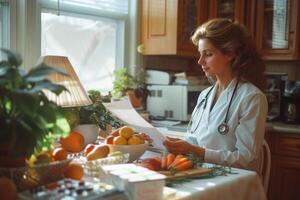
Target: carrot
164, 162
158, 158
178, 161
170, 159
175, 159
184, 166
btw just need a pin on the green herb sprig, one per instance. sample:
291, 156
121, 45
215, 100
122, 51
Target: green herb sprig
97, 113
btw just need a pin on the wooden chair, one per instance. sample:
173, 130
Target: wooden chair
265, 165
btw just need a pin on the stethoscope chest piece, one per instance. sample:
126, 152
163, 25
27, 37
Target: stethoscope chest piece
223, 128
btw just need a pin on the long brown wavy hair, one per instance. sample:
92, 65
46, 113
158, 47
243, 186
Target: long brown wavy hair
232, 38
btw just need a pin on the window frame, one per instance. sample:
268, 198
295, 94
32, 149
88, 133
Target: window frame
5, 27
90, 13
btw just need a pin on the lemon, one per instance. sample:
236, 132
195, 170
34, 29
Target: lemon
126, 132
134, 140
119, 140
42, 158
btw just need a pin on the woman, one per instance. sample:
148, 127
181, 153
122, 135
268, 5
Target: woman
228, 123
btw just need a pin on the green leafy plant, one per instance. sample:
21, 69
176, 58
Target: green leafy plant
97, 113
28, 120
124, 81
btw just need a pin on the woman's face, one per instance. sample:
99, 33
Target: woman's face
213, 61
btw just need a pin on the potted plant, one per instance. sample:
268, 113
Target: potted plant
29, 121
132, 86
93, 117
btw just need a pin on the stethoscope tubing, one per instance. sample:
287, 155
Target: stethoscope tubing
223, 128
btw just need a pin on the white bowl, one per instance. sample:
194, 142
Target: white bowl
135, 151
88, 131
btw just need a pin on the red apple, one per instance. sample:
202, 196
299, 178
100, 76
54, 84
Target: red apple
88, 149
109, 139
147, 165
152, 163
115, 133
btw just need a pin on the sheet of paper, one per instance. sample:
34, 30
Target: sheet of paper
165, 123
124, 111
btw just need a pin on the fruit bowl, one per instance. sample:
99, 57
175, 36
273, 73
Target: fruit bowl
134, 151
30, 177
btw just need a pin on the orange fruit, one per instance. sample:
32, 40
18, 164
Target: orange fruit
119, 140
74, 142
59, 154
74, 171
8, 189
134, 140
126, 132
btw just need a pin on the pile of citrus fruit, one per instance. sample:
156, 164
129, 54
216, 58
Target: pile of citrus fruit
125, 136
74, 143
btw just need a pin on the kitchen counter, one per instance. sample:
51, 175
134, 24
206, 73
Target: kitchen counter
283, 127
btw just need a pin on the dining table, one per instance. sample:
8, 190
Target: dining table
235, 184
240, 184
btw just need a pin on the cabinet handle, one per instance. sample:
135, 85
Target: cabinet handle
141, 48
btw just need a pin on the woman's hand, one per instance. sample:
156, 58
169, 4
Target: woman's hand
145, 137
178, 146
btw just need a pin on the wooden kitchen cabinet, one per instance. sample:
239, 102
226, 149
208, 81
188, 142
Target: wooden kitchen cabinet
285, 167
168, 24
278, 29
239, 10
242, 11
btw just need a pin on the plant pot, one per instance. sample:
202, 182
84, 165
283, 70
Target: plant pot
6, 159
88, 131
105, 133
135, 101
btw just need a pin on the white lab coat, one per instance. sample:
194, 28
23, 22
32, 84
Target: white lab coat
246, 119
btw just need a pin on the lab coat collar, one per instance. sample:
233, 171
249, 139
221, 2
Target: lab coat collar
229, 89
223, 98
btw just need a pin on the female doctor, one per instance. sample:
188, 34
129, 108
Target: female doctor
228, 123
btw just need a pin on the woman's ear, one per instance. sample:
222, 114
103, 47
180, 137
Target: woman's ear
230, 56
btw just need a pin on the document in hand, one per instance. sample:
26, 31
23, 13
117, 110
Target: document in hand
124, 111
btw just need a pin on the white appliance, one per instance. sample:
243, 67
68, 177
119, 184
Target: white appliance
156, 77
173, 102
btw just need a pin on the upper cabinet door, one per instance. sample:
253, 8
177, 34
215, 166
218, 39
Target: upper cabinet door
278, 29
167, 26
159, 27
191, 14
232, 9
242, 11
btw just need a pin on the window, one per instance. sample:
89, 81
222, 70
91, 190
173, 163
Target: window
4, 26
90, 33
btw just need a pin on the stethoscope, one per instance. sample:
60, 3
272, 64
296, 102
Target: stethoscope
223, 128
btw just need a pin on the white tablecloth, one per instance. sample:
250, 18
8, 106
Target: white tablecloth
244, 185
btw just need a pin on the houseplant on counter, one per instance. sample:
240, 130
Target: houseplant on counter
29, 122
132, 86
93, 117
